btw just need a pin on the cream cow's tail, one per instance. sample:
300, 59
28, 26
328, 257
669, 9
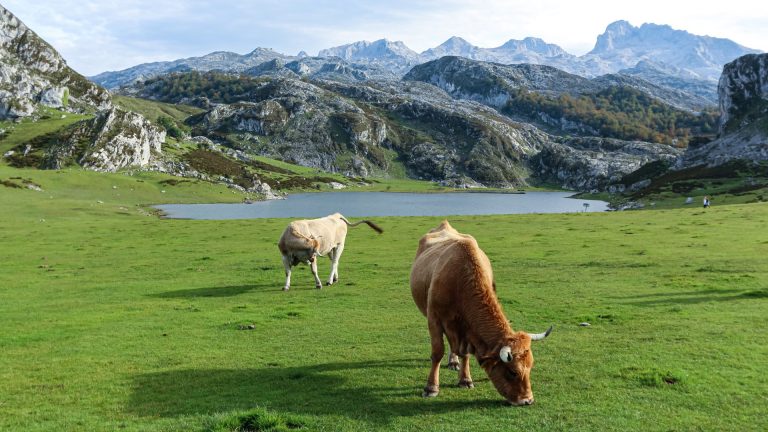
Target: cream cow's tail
369, 223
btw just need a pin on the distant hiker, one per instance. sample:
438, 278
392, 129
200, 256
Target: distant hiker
706, 201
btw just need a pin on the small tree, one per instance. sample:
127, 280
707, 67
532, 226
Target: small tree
170, 125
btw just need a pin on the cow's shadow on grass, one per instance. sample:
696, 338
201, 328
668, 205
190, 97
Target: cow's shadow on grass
223, 291
321, 389
694, 297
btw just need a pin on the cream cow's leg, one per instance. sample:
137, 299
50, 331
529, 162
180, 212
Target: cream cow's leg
335, 257
287, 265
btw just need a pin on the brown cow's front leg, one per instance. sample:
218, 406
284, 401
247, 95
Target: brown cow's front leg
438, 350
465, 378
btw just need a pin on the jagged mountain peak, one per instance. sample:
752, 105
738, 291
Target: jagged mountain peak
455, 46
454, 41
533, 45
622, 45
365, 50
619, 27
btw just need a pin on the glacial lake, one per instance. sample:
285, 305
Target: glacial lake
359, 204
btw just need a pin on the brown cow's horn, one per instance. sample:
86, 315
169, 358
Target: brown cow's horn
540, 336
506, 354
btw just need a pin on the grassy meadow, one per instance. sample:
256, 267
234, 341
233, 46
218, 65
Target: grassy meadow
114, 319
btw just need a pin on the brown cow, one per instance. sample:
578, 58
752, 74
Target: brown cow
304, 239
452, 284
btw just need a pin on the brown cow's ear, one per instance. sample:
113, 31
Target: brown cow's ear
488, 360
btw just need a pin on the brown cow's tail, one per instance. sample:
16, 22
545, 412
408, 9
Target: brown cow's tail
369, 223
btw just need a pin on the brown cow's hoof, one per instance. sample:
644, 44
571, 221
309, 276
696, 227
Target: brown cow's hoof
453, 366
319, 286
466, 384
431, 391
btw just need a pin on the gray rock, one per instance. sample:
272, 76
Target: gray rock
115, 139
743, 91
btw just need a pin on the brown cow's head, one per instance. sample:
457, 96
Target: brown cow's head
509, 368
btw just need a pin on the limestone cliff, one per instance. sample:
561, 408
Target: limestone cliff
32, 73
743, 100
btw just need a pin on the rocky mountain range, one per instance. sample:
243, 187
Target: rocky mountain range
379, 127
659, 54
452, 119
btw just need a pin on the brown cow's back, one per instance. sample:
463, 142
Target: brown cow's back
445, 261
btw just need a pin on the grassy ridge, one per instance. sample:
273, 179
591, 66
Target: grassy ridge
112, 319
22, 132
154, 109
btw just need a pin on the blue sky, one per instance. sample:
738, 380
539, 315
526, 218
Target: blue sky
97, 36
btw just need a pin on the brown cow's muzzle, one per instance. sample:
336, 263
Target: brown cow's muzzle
522, 402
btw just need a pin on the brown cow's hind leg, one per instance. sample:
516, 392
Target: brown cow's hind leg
465, 378
438, 350
453, 361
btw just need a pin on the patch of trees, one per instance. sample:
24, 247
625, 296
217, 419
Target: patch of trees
618, 112
216, 86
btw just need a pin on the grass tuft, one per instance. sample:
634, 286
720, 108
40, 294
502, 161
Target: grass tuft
256, 420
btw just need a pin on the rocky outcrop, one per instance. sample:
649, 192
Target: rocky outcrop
596, 163
113, 140
302, 123
743, 91
32, 73
492, 84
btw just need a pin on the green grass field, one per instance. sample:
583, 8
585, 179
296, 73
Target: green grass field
113, 319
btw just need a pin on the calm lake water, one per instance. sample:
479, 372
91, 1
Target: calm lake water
357, 204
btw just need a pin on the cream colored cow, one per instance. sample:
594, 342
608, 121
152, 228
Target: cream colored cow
303, 240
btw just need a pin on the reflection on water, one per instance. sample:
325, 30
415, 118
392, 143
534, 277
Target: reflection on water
357, 204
